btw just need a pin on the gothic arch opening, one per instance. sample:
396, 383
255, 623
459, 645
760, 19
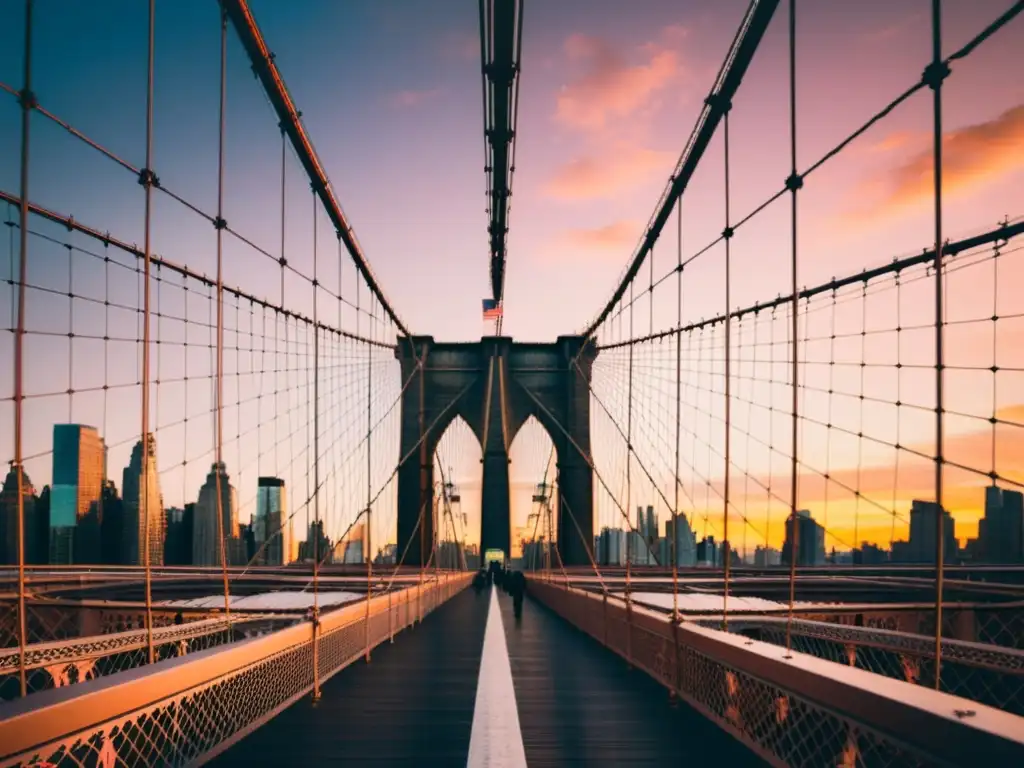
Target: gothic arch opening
534, 496
458, 484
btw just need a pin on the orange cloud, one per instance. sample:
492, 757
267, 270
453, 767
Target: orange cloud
613, 236
591, 177
972, 156
410, 98
881, 486
610, 87
898, 140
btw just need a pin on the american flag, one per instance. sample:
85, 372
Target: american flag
492, 309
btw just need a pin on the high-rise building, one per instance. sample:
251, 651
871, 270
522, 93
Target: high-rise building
112, 526
644, 549
317, 545
272, 527
686, 540
923, 533
765, 557
178, 543
41, 544
206, 547
142, 501
9, 544
611, 548
811, 540
351, 548
79, 471
708, 552
1001, 531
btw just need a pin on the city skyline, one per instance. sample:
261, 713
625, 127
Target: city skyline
602, 110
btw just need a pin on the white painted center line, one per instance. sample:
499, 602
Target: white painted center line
495, 741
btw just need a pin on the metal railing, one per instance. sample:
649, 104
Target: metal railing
788, 707
60, 663
985, 673
187, 710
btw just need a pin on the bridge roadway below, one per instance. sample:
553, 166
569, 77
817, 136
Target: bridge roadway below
444, 690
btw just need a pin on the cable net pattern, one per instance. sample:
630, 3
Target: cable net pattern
202, 376
185, 724
850, 441
65, 662
774, 720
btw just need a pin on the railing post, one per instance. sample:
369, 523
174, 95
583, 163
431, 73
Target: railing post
391, 617
316, 654
604, 614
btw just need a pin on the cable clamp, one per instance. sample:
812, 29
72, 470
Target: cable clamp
728, 232
718, 102
794, 182
27, 99
220, 223
148, 179
935, 73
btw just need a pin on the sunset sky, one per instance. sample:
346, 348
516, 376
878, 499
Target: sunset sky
390, 94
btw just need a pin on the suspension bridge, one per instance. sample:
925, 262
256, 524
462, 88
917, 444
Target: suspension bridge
249, 506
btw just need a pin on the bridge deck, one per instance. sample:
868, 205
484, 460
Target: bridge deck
577, 703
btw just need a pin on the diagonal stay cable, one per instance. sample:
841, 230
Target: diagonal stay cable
590, 463
629, 444
410, 452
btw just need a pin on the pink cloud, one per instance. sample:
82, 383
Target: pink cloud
411, 98
972, 157
612, 236
589, 176
611, 87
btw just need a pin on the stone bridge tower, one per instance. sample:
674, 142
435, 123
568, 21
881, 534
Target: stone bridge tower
496, 385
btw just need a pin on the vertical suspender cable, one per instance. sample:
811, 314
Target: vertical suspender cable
316, 471
147, 183
27, 102
631, 540
220, 474
369, 483
679, 376
794, 182
934, 75
726, 544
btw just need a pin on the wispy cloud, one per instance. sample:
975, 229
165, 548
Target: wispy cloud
603, 176
972, 157
412, 98
610, 87
898, 140
614, 236
895, 29
612, 93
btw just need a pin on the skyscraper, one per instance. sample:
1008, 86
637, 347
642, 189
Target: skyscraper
923, 532
271, 526
205, 544
645, 540
9, 517
811, 540
79, 470
686, 541
1001, 531
140, 502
